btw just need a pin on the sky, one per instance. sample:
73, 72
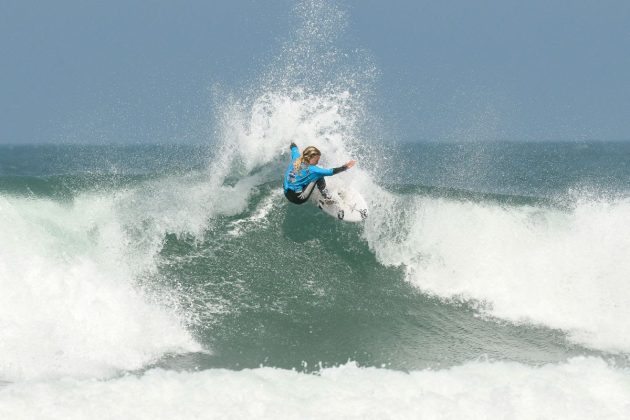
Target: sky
144, 71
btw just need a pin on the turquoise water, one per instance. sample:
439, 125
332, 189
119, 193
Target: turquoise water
279, 285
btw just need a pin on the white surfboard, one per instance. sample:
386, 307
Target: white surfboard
346, 204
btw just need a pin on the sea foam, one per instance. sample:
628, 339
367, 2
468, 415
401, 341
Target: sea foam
582, 388
80, 287
562, 268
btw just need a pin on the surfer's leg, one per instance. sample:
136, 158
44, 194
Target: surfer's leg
302, 197
295, 197
292, 196
321, 185
306, 192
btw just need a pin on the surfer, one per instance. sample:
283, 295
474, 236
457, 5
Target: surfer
303, 174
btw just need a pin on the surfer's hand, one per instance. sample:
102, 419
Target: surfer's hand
350, 164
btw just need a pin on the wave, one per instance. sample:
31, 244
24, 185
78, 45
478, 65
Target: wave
562, 268
582, 388
84, 276
80, 262
83, 296
86, 293
70, 305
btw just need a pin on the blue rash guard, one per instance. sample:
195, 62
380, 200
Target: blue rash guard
297, 180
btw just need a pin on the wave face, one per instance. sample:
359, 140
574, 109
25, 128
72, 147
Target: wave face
479, 263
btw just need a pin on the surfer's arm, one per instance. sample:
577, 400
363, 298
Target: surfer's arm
329, 172
295, 152
342, 168
321, 171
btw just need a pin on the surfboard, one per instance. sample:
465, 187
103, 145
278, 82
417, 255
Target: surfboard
346, 204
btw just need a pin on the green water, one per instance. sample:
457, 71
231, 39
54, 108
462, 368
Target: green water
280, 285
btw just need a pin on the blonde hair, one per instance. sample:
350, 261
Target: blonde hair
308, 153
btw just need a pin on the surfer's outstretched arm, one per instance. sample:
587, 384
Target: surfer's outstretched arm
332, 171
295, 152
344, 167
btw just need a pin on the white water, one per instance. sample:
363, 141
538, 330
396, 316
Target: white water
73, 302
582, 388
74, 307
563, 269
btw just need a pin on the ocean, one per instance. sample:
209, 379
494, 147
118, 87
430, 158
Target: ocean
488, 278
175, 281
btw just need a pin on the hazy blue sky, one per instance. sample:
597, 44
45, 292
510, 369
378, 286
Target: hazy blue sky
130, 71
